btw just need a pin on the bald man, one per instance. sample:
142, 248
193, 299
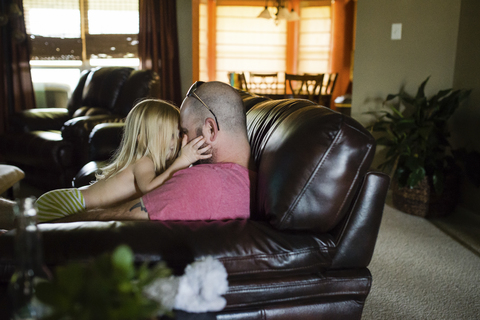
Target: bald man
220, 186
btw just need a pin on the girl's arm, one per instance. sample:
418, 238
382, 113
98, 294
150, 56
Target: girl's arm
144, 171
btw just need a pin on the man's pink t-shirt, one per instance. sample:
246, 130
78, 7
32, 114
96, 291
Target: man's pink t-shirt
202, 192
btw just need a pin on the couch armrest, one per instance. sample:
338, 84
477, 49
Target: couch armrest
79, 128
357, 235
42, 119
104, 140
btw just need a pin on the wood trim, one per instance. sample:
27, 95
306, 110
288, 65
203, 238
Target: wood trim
83, 32
195, 40
243, 3
212, 39
293, 30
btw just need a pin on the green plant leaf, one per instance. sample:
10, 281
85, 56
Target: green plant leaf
391, 97
415, 177
122, 259
395, 110
421, 89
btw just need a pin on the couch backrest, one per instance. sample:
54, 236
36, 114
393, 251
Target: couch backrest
139, 85
75, 101
103, 86
310, 161
113, 89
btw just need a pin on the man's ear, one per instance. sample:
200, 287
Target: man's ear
212, 130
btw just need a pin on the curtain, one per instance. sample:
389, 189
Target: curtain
158, 45
343, 14
16, 87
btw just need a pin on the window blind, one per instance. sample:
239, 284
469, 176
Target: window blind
314, 49
246, 43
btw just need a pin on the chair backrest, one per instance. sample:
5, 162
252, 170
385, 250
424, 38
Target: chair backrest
263, 82
113, 89
329, 83
307, 86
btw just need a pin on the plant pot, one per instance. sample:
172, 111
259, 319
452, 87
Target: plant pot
423, 201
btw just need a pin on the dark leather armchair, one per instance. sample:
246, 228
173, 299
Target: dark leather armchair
51, 144
303, 254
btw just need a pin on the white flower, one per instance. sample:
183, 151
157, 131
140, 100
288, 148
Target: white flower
164, 291
200, 289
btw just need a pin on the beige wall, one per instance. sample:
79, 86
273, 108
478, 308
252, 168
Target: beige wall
427, 48
440, 38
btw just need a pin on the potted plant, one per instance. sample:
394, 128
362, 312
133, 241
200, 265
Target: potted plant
418, 153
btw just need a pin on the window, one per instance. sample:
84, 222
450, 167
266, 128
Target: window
83, 30
241, 47
246, 43
69, 35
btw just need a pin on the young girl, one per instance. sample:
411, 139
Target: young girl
145, 159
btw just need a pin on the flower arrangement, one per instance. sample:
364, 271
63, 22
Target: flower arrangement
110, 287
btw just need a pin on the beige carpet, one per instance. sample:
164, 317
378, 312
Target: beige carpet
422, 272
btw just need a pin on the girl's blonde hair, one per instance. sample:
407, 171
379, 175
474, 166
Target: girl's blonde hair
149, 129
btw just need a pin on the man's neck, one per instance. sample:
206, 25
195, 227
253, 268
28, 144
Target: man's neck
237, 152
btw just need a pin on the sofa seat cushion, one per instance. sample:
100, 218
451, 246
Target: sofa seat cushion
246, 248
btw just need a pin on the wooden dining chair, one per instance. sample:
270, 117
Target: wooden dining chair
329, 82
263, 82
306, 86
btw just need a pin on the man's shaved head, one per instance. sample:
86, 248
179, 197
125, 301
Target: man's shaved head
225, 103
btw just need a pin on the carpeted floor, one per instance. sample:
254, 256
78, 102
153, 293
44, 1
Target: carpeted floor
425, 269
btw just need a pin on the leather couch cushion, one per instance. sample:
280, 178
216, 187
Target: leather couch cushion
76, 100
103, 87
38, 119
246, 248
310, 161
41, 149
136, 87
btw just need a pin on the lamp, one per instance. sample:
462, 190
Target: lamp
293, 16
282, 13
265, 14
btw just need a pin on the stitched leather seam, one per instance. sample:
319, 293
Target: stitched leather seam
347, 223
296, 253
369, 147
310, 179
295, 284
276, 270
300, 298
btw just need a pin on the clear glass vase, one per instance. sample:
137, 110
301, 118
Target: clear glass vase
30, 267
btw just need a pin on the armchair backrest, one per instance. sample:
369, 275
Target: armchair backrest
311, 162
113, 89
103, 86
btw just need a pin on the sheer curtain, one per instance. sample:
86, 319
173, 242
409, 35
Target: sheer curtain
158, 45
16, 87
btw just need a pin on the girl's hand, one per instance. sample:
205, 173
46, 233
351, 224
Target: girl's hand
193, 151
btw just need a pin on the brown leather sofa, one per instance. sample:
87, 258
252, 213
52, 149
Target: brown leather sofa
51, 144
303, 254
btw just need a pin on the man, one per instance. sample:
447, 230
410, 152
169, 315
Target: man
218, 189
